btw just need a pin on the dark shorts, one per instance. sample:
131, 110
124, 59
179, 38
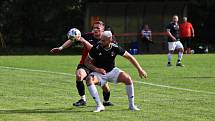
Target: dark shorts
187, 42
88, 71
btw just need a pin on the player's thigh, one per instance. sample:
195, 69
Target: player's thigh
124, 78
106, 87
179, 46
171, 46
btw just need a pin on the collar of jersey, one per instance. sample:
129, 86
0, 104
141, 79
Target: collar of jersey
108, 48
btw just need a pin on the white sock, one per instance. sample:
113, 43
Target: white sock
83, 97
94, 93
169, 57
180, 55
130, 93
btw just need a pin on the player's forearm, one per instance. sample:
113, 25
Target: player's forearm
193, 32
88, 64
66, 44
133, 61
170, 35
86, 43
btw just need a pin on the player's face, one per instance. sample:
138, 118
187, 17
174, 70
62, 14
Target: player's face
105, 41
98, 29
175, 18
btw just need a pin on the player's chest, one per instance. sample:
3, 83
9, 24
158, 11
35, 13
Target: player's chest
106, 55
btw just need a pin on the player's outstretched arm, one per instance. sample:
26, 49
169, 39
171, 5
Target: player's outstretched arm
85, 43
58, 49
131, 58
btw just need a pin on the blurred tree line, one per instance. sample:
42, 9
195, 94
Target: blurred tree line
38, 23
44, 23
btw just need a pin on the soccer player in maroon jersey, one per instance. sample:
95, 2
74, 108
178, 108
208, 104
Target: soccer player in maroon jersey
88, 40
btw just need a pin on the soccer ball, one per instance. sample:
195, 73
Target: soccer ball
74, 34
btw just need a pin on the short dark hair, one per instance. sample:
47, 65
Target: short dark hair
99, 22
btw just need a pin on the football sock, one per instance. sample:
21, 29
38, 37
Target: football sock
83, 97
169, 57
130, 93
106, 96
180, 55
81, 89
94, 93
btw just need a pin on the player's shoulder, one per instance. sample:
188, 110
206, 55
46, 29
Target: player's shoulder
170, 25
114, 45
87, 35
96, 46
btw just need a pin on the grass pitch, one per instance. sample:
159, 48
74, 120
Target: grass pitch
42, 88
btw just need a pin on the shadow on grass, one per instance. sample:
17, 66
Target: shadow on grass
59, 110
54, 110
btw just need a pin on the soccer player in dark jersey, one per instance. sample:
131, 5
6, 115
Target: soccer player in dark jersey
174, 41
88, 40
103, 56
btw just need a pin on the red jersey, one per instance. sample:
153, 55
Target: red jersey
186, 29
92, 40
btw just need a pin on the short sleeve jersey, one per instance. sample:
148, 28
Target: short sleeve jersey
174, 30
92, 40
185, 29
103, 58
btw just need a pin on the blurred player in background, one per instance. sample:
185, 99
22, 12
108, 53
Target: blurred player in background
186, 34
146, 37
174, 41
103, 56
88, 40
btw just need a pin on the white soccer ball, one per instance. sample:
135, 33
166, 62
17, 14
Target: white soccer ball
73, 34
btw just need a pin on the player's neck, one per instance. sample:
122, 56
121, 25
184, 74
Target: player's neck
97, 36
107, 47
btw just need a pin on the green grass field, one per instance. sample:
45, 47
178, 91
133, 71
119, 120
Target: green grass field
42, 88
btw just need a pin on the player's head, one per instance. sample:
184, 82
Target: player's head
175, 18
106, 39
98, 28
185, 19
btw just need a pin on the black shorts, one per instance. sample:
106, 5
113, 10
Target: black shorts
88, 71
187, 42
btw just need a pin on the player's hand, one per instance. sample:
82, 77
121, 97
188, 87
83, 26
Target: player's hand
100, 70
80, 39
142, 73
55, 50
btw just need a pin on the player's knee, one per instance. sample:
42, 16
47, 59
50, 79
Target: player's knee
181, 50
128, 81
106, 88
89, 80
78, 78
171, 51
125, 78
80, 75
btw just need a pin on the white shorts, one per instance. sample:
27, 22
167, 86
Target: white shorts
175, 45
111, 76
